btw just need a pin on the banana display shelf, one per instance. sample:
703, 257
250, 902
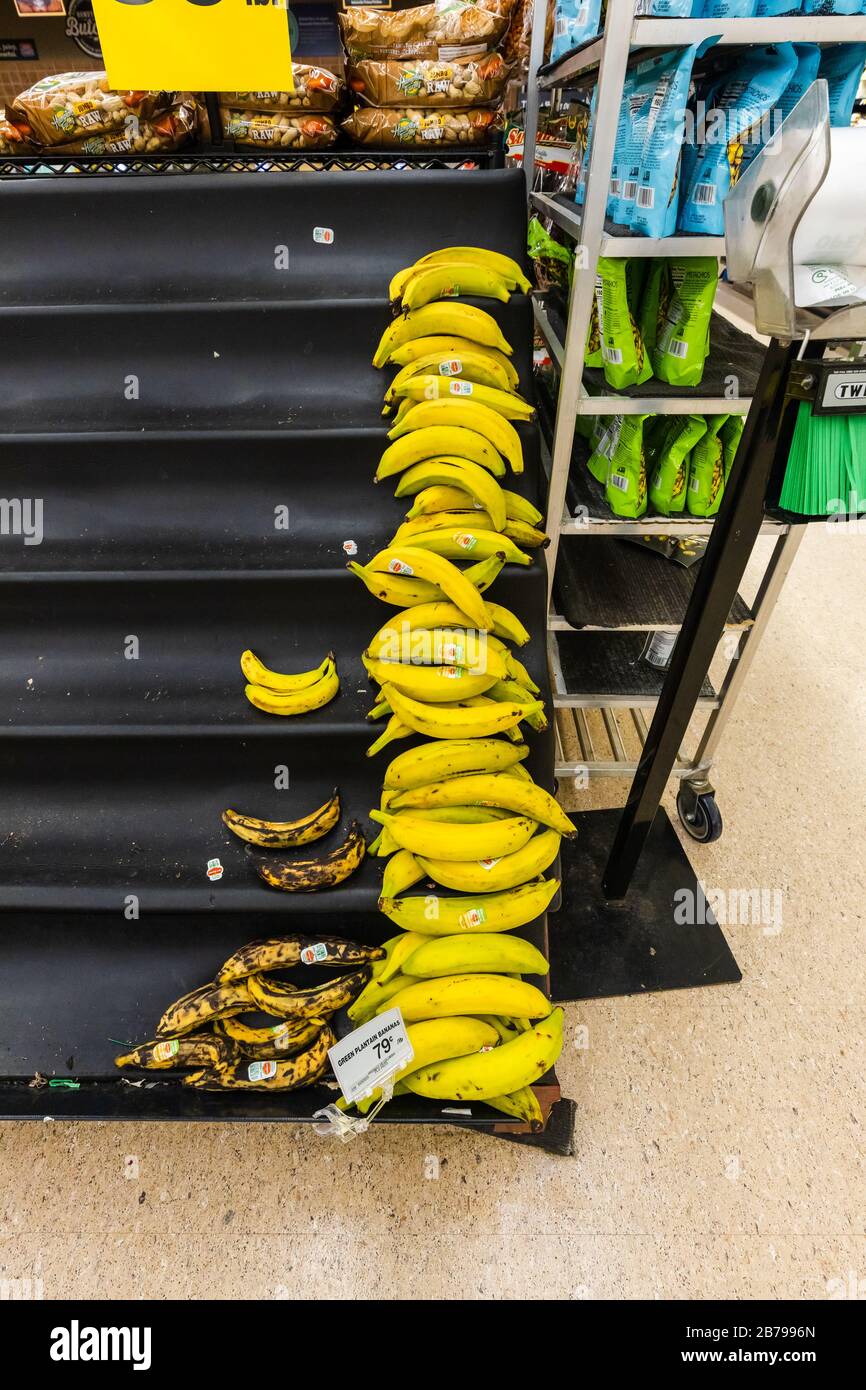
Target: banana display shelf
195, 409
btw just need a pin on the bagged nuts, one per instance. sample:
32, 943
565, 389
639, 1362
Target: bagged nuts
71, 106
423, 31
316, 89
400, 126
274, 131
165, 132
428, 83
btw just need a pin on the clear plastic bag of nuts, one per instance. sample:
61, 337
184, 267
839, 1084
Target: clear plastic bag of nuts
163, 133
425, 30
271, 130
394, 127
70, 106
316, 89
427, 82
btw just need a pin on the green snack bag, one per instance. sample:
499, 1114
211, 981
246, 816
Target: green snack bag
682, 340
592, 352
553, 263
653, 303
730, 434
707, 471
667, 472
625, 489
625, 362
603, 442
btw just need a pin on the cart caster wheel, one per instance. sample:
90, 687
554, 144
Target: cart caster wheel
699, 816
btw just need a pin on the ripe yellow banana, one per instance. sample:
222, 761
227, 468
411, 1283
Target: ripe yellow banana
426, 387
282, 952
195, 1050
500, 1072
489, 789
475, 543
402, 872
456, 497
438, 646
273, 834
299, 701
478, 255
522, 1104
464, 414
203, 1005
435, 762
440, 440
450, 282
471, 994
452, 346
442, 318
399, 953
511, 691
516, 669
257, 673
495, 875
311, 875
393, 731
467, 364
375, 995
432, 684
507, 625
483, 952
462, 473
487, 912
403, 592
468, 721
283, 1001
434, 1040
302, 1070
530, 537
456, 843
419, 564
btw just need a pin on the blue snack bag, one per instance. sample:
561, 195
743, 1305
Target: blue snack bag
656, 197
726, 9
832, 7
743, 101
643, 85
774, 8
575, 21
615, 202
842, 65
808, 58
665, 9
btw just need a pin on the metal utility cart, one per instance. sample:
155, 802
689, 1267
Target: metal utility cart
595, 641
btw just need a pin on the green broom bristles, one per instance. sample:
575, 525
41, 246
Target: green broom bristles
826, 469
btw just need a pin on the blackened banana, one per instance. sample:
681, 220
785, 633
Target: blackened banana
302, 1070
278, 953
275, 998
274, 1043
311, 875
199, 1050
203, 1005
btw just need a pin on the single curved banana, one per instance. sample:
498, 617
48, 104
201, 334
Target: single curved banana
415, 645
312, 875
516, 669
426, 387
439, 721
436, 1039
286, 834
442, 521
392, 732
433, 916
451, 282
399, 953
478, 255
515, 693
402, 592
375, 996
302, 1070
464, 815
455, 497
467, 364
530, 537
442, 318
203, 1005
401, 873
432, 684
489, 952
522, 1104
464, 414
489, 789
195, 1050
386, 844
274, 997
435, 762
507, 625
500, 1072
473, 543
284, 1040
439, 440
495, 875
471, 994
257, 673
456, 843
298, 702
409, 560
282, 952
452, 345
462, 473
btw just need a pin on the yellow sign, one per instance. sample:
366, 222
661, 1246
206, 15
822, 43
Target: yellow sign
195, 45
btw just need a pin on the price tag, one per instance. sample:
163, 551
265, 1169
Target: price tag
217, 46
365, 1058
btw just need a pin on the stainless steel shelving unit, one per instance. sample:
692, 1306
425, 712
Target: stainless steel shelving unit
583, 518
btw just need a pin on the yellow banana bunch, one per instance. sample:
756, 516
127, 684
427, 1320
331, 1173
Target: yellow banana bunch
301, 701
451, 995
256, 673
430, 388
438, 646
483, 952
272, 834
464, 721
452, 346
432, 684
500, 1072
440, 440
446, 318
469, 363
435, 762
469, 522
492, 875
450, 281
462, 473
473, 255
464, 414
436, 1039
411, 562
455, 843
488, 789
474, 543
485, 912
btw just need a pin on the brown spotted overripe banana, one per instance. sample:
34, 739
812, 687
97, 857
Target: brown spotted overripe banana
302, 1070
281, 952
276, 998
288, 834
312, 875
203, 1005
169, 1054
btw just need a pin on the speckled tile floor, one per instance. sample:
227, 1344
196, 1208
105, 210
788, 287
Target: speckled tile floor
719, 1133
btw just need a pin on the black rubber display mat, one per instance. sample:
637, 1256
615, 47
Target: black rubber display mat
662, 936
